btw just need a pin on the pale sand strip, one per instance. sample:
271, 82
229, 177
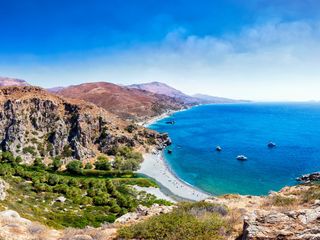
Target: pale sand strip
156, 192
155, 167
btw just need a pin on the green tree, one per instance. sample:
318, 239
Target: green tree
88, 166
74, 167
7, 157
102, 163
67, 151
38, 163
56, 164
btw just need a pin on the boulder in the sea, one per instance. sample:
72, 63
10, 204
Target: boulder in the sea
312, 177
271, 145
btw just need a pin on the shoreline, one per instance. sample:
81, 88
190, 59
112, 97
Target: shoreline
154, 166
146, 123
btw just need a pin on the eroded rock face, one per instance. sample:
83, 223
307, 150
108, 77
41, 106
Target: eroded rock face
35, 123
3, 187
298, 224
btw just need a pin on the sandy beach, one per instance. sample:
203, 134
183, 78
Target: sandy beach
152, 120
155, 167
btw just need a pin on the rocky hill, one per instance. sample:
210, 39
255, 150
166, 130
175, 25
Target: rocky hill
125, 102
6, 81
35, 123
164, 89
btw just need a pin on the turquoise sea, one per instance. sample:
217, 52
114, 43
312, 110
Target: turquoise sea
246, 129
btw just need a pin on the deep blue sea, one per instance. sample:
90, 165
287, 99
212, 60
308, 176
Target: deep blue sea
246, 129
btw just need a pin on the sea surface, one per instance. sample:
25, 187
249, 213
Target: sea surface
246, 129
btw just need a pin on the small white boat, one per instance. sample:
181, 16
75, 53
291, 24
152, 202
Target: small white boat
241, 158
218, 148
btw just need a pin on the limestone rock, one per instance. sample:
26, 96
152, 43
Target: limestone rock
3, 187
144, 212
298, 224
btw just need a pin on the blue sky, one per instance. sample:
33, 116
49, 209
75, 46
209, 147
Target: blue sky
253, 49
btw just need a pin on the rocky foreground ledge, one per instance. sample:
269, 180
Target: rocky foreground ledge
292, 213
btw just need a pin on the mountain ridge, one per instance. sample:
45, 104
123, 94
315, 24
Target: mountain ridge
128, 103
7, 81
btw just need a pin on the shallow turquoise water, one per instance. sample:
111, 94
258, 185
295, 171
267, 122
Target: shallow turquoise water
244, 129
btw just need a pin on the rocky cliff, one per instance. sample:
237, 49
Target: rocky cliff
35, 123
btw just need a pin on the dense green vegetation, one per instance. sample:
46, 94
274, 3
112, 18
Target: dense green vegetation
92, 196
190, 221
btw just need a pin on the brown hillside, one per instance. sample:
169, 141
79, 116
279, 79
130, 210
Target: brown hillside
122, 101
35, 123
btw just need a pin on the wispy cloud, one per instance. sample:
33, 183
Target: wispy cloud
272, 61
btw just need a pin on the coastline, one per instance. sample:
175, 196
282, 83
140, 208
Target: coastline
146, 123
154, 166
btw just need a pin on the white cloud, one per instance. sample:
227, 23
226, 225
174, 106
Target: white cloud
274, 61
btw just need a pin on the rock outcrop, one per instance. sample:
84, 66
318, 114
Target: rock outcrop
3, 187
297, 224
309, 177
14, 227
35, 123
143, 213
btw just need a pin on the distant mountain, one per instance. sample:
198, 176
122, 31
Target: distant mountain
55, 89
164, 89
212, 99
127, 103
6, 81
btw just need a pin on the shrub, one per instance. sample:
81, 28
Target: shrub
130, 128
127, 160
179, 224
311, 194
18, 159
102, 163
53, 179
74, 167
281, 201
67, 151
56, 164
38, 163
6, 170
7, 157
30, 149
101, 200
88, 166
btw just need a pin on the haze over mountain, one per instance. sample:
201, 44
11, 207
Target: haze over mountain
212, 99
162, 88
7, 81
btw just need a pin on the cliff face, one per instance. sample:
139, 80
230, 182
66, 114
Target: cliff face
34, 123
